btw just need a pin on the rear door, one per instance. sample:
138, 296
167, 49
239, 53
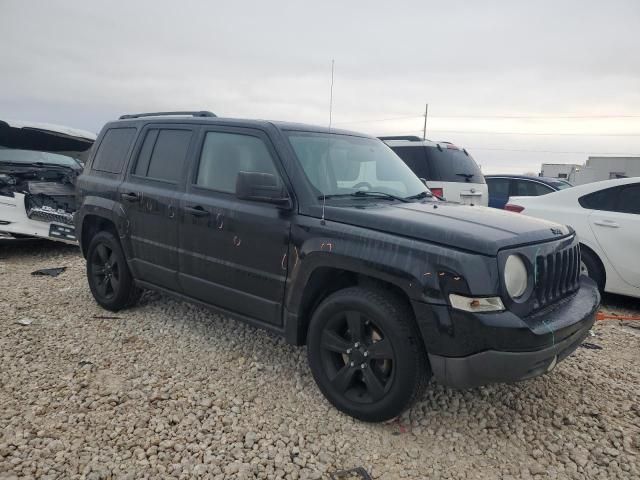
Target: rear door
151, 195
499, 191
233, 252
615, 222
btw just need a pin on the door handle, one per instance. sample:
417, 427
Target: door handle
196, 211
130, 197
606, 223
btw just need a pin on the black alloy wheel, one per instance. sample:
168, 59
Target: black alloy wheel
357, 357
108, 274
105, 271
365, 353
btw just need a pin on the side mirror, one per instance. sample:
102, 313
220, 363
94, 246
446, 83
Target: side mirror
261, 187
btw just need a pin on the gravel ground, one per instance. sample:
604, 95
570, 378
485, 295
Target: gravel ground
168, 389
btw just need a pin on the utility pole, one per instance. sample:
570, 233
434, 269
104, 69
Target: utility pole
424, 130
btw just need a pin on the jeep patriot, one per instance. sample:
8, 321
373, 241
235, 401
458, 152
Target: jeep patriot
327, 238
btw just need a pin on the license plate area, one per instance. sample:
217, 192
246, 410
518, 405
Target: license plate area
63, 232
470, 198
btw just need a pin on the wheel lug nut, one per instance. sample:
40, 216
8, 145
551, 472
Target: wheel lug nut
348, 351
352, 364
366, 354
363, 365
357, 344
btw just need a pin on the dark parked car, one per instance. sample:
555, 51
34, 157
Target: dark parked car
327, 238
501, 187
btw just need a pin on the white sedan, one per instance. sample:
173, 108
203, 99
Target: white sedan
606, 216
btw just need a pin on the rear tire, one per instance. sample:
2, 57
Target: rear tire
366, 355
591, 267
108, 274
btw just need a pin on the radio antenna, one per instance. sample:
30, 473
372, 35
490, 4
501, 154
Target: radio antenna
324, 194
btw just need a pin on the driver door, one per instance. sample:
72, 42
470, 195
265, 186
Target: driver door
233, 252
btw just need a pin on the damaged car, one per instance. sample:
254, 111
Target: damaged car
39, 164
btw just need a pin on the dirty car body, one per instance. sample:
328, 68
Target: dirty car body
334, 227
39, 164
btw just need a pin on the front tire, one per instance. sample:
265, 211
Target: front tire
108, 274
591, 267
365, 353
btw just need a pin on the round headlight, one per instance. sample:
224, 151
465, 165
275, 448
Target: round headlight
515, 276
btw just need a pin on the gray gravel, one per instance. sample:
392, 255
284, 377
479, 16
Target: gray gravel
171, 390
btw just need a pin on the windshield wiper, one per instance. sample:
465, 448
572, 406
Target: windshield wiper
467, 176
420, 195
36, 164
364, 193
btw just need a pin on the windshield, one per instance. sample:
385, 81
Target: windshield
343, 164
33, 156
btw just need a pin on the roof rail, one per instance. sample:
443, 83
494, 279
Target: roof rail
202, 113
411, 138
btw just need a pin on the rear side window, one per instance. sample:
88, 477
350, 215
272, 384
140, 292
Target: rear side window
452, 165
602, 200
113, 150
415, 159
527, 188
498, 186
224, 155
163, 154
629, 199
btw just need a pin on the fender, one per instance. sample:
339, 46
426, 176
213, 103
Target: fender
109, 210
425, 272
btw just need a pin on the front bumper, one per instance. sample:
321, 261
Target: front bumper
468, 350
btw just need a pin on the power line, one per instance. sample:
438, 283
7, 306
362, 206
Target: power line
476, 132
381, 120
555, 151
539, 133
515, 116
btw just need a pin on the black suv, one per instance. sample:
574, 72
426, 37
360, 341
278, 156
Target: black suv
327, 238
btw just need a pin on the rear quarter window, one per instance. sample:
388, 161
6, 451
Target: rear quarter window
113, 150
415, 159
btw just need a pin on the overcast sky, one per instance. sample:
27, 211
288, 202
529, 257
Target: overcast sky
82, 63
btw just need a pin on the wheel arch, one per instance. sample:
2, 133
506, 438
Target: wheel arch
322, 282
591, 251
91, 225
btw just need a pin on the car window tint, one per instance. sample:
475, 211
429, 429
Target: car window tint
601, 200
163, 154
528, 188
498, 186
113, 150
415, 159
224, 155
540, 189
452, 165
142, 165
629, 199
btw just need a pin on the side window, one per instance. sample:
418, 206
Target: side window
224, 155
498, 186
601, 200
540, 189
527, 188
415, 159
163, 154
112, 153
629, 199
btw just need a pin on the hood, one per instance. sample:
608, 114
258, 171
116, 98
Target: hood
44, 137
472, 228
